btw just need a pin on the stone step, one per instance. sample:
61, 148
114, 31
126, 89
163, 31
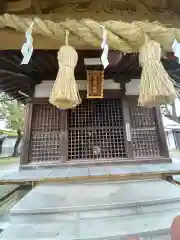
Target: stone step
154, 226
96, 211
139, 196
6, 190
91, 173
91, 214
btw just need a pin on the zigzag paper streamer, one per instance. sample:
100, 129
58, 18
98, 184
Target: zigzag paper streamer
104, 46
27, 48
176, 49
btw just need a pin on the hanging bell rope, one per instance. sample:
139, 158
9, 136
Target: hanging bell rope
65, 94
156, 87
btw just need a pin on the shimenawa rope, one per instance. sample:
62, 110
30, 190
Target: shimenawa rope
143, 37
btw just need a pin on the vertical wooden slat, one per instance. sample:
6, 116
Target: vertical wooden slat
64, 137
160, 130
127, 120
26, 136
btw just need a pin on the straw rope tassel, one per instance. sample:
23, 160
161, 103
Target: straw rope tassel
65, 94
156, 87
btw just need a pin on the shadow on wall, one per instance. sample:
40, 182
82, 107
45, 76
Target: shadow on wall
7, 144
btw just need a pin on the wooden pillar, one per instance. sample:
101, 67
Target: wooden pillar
160, 130
127, 128
2, 7
26, 136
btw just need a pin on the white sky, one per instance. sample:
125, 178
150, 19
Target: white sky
2, 125
177, 104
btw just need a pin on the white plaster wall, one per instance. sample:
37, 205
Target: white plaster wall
132, 88
43, 90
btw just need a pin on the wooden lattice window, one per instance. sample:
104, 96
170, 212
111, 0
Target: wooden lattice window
145, 138
48, 134
96, 130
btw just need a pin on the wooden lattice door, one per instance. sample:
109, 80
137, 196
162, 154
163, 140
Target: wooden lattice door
48, 141
96, 131
145, 137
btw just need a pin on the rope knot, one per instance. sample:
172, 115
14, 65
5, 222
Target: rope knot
67, 56
150, 51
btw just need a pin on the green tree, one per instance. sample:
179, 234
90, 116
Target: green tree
12, 112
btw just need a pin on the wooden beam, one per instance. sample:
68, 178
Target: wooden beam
17, 78
13, 40
17, 6
2, 6
12, 74
36, 6
174, 5
19, 83
60, 12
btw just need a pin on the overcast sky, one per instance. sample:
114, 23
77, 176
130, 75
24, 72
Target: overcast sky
177, 102
2, 125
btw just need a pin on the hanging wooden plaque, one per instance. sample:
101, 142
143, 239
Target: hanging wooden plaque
95, 83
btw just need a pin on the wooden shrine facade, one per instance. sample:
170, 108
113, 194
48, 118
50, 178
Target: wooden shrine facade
113, 129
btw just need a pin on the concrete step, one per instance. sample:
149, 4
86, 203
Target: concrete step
94, 198
153, 226
95, 211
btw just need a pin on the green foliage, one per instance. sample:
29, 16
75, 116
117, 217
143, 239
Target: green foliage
12, 112
8, 133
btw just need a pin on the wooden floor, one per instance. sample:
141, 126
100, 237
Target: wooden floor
71, 174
